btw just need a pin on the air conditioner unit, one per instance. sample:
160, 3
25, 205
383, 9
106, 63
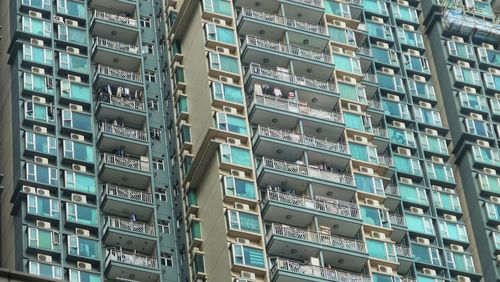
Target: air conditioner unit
36, 42
489, 171
488, 46
414, 52
37, 70
74, 78
338, 50
58, 19
457, 38
241, 206
448, 190
360, 139
41, 160
83, 265
223, 50
349, 79
354, 107
408, 27
226, 79
42, 224
377, 20
497, 96
382, 45
494, 71
450, 217
75, 107
431, 131
237, 173
230, 110
219, 21
247, 275
339, 23
378, 235
73, 50
80, 168
29, 189
419, 78
437, 188
495, 199
399, 124
233, 141
77, 198
425, 105
39, 100
464, 64
367, 170
242, 241
416, 210
385, 269
406, 180
393, 97
428, 271
39, 129
456, 248
469, 89
43, 192
404, 3
388, 70
483, 143
77, 137
35, 14
82, 232
45, 258
424, 241
476, 116
71, 22
404, 151
437, 159
372, 202
461, 278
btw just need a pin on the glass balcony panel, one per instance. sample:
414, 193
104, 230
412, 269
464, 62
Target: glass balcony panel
44, 239
231, 123
42, 174
221, 34
352, 92
40, 4
79, 182
396, 109
419, 64
235, 155
446, 201
364, 153
222, 7
76, 120
381, 250
38, 112
39, 55
346, 63
79, 151
433, 144
335, 8
374, 216
390, 82
492, 81
369, 184
412, 38
495, 106
426, 254
413, 194
461, 50
385, 56
41, 143
486, 155
421, 89
489, 183
72, 34
42, 206
405, 13
227, 92
440, 172
83, 276
224, 63
462, 262
72, 8
493, 211
75, 91
407, 165
427, 116
239, 188
342, 35
45, 270
489, 56
36, 26
73, 63
243, 221
379, 30
245, 255
375, 6
81, 214
419, 224
83, 247
453, 231
472, 101
38, 83
401, 136
467, 75
357, 122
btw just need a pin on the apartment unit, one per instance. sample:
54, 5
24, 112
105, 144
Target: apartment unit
464, 39
87, 188
320, 118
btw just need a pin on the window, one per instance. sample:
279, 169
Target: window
45, 270
146, 22
81, 214
167, 259
235, 155
219, 33
41, 143
38, 83
36, 26
37, 54
78, 151
150, 76
245, 255
155, 133
73, 63
83, 247
158, 164
243, 221
164, 226
231, 123
42, 174
153, 105
43, 206
239, 188
72, 8
161, 195
147, 48
224, 63
75, 91
82, 276
76, 120
227, 92
79, 182
43, 239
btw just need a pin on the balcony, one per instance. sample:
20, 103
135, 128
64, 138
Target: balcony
284, 270
256, 50
278, 207
108, 25
130, 234
117, 199
121, 6
283, 239
116, 54
120, 264
132, 140
114, 107
125, 170
267, 141
405, 258
105, 75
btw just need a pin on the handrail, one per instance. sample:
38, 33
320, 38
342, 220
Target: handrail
131, 258
104, 42
122, 192
115, 18
125, 162
118, 73
123, 131
129, 225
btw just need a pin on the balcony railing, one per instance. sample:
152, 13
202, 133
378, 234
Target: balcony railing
118, 73
290, 22
316, 3
397, 219
375, 104
126, 162
121, 101
403, 251
320, 238
115, 18
288, 49
294, 107
310, 141
332, 206
131, 226
364, 51
294, 79
124, 131
126, 193
131, 258
392, 190
115, 45
380, 132
318, 271
385, 160
370, 77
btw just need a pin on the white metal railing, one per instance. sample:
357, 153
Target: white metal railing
380, 132
133, 226
303, 139
122, 192
392, 190
115, 45
403, 251
294, 107
307, 171
364, 51
118, 73
288, 49
294, 79
131, 258
115, 18
290, 22
327, 205
397, 219
385, 160
316, 3
329, 274
320, 238
122, 102
123, 131
375, 104
125, 162
370, 77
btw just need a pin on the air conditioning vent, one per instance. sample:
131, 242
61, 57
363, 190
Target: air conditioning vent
378, 235
385, 269
489, 171
241, 206
461, 278
388, 70
469, 89
74, 78
424, 241
39, 129
77, 137
234, 141
242, 241
404, 3
226, 79
43, 192
406, 180
404, 151
425, 105
230, 110
419, 78
428, 271
80, 168
45, 258
354, 107
476, 116
35, 14
75, 107
82, 232
414, 52
437, 188
377, 20
83, 265
223, 50
372, 202
39, 100
71, 22
77, 198
237, 173
393, 97
399, 124
37, 70
382, 45
41, 160
483, 143
457, 38
43, 224
29, 189
493, 71
339, 23
349, 79
495, 199
416, 210
338, 50
432, 132
36, 42
450, 217
367, 170
58, 19
448, 190
464, 64
219, 21
360, 139
247, 275
437, 159
456, 248
488, 46
408, 27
